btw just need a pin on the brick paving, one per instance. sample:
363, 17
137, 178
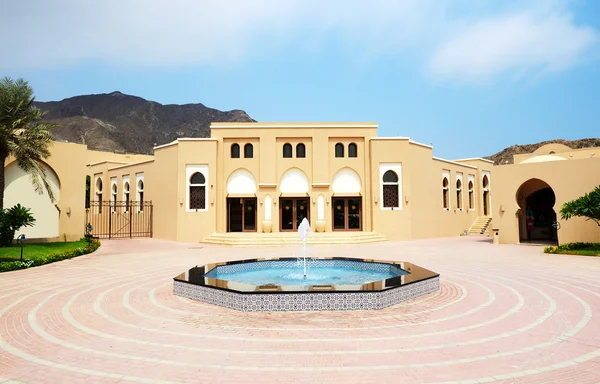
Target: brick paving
504, 314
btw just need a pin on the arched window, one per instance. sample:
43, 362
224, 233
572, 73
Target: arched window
300, 150
352, 151
339, 150
235, 151
486, 182
140, 193
197, 191
287, 150
248, 151
470, 194
458, 194
126, 196
445, 192
391, 199
99, 194
113, 198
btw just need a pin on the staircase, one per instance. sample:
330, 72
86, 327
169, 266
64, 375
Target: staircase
277, 239
480, 225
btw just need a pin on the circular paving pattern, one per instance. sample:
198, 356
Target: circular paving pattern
503, 314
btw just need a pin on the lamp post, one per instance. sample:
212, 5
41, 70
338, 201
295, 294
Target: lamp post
20, 241
88, 232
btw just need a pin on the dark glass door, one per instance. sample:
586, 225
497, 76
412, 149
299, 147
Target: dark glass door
292, 211
249, 215
241, 214
347, 214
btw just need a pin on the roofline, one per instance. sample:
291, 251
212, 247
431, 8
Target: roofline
132, 164
106, 161
476, 158
453, 162
185, 139
272, 125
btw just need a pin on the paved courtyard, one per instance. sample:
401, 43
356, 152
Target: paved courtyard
506, 314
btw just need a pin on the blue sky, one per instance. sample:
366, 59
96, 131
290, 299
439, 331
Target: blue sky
469, 76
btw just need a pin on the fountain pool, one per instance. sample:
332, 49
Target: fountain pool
293, 284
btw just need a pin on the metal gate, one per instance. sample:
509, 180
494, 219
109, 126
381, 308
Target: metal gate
119, 219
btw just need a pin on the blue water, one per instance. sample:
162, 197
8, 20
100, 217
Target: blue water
315, 276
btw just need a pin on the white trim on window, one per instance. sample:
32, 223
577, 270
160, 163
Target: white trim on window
189, 171
397, 169
461, 206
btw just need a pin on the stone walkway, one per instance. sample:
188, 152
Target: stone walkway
506, 314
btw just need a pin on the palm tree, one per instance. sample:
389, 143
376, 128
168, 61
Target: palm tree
22, 134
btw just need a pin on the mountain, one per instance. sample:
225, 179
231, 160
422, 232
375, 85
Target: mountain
505, 156
119, 122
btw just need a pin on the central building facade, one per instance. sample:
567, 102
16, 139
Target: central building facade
268, 177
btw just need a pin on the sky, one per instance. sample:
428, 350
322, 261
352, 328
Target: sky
470, 77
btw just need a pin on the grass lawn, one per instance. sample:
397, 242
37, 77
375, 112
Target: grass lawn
35, 250
584, 249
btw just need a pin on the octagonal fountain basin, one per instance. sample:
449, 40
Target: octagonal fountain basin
278, 284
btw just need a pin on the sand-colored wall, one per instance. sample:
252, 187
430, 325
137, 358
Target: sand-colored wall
568, 179
195, 226
67, 161
268, 165
94, 156
430, 218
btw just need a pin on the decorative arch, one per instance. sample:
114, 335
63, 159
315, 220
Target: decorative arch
346, 181
536, 200
241, 182
294, 181
19, 190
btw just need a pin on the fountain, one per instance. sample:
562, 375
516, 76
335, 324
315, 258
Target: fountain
278, 284
303, 230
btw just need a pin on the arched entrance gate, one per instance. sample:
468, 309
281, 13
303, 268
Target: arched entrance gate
536, 201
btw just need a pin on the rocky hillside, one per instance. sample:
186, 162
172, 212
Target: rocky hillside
505, 156
119, 122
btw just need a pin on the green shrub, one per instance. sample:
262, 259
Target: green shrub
575, 249
11, 220
51, 258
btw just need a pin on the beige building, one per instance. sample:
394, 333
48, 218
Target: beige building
537, 185
264, 178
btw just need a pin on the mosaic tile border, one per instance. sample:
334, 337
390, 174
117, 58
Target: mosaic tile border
321, 301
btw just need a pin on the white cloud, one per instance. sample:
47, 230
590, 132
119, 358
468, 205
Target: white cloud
463, 41
518, 43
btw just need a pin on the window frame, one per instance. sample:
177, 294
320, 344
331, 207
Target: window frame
396, 169
286, 146
445, 194
190, 170
248, 151
234, 151
196, 185
300, 146
339, 150
350, 147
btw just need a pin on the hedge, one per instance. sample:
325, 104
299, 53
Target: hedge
51, 258
573, 248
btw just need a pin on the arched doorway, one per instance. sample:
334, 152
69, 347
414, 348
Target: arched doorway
346, 201
486, 195
241, 202
536, 201
294, 203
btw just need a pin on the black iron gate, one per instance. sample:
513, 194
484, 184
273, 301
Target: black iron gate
119, 219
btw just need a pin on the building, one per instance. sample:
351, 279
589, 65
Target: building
542, 182
264, 178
